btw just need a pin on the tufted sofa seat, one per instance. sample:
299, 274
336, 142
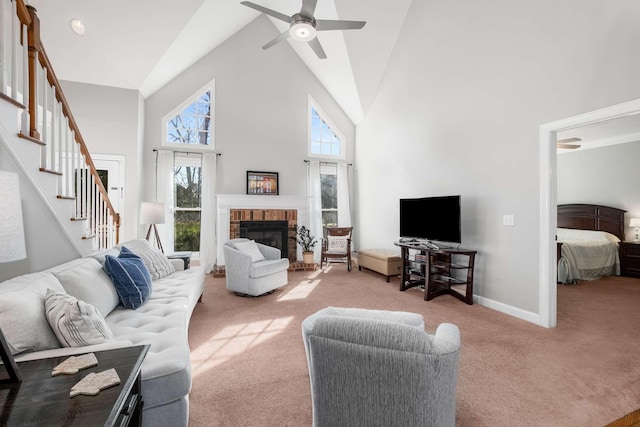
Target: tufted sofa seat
162, 323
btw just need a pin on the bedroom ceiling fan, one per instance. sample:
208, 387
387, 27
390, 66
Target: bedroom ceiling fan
567, 143
303, 25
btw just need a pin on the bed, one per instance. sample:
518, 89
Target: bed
588, 237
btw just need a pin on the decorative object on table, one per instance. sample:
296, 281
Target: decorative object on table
635, 223
307, 242
152, 213
262, 183
12, 248
74, 364
93, 383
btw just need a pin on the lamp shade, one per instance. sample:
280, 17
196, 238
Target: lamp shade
12, 247
152, 213
635, 222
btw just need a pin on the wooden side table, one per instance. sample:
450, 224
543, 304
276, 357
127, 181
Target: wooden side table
630, 259
41, 399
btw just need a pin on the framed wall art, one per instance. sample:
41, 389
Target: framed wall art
262, 183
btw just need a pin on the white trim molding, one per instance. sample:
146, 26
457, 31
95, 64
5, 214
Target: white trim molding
548, 292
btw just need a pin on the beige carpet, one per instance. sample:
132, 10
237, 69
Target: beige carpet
249, 366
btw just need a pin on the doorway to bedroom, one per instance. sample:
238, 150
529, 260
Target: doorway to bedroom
550, 133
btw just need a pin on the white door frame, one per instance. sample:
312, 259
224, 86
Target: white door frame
548, 291
121, 178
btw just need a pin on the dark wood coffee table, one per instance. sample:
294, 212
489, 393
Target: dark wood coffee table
41, 399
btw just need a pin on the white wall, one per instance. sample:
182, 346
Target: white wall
260, 112
108, 119
459, 110
606, 176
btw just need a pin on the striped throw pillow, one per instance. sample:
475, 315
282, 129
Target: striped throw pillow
75, 322
157, 263
130, 277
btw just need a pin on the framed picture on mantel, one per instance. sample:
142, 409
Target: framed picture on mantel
262, 183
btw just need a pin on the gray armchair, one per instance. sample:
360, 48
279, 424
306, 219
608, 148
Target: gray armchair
380, 368
245, 277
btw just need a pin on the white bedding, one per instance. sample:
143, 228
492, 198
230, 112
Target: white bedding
587, 255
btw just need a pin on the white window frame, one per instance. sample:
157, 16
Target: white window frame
184, 161
314, 105
210, 87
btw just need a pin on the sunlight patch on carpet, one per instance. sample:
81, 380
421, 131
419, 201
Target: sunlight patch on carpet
300, 291
233, 340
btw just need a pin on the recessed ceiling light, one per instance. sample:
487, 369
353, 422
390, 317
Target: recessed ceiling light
77, 26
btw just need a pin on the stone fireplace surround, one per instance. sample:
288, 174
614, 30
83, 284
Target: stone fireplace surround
233, 208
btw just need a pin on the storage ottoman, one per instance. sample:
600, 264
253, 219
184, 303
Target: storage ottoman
383, 261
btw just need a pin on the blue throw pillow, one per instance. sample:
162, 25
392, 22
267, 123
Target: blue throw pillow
130, 277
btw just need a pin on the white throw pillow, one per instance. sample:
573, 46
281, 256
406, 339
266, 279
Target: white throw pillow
85, 279
250, 248
22, 318
337, 244
157, 263
75, 322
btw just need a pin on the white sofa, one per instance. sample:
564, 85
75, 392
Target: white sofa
162, 322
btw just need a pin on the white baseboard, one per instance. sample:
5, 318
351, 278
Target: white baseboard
508, 309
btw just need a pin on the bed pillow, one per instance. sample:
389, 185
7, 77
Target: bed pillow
157, 263
570, 235
130, 277
75, 323
250, 248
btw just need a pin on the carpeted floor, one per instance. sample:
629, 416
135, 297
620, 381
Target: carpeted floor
249, 366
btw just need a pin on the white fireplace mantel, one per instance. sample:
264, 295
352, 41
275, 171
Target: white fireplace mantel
226, 202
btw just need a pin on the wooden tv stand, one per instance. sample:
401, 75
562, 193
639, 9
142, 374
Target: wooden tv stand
440, 271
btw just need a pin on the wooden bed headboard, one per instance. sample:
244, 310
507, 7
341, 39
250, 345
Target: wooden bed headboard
592, 217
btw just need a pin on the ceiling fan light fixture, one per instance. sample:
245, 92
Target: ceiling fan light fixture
302, 31
77, 26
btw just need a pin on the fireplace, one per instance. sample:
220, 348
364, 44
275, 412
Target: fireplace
270, 233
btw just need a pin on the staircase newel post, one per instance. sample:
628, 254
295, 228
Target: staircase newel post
34, 48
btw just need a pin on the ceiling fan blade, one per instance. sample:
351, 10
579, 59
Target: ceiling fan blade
328, 24
317, 48
281, 37
568, 140
308, 8
267, 11
567, 146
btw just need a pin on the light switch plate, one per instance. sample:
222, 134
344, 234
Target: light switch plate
508, 220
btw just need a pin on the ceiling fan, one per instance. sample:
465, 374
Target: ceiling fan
303, 26
567, 143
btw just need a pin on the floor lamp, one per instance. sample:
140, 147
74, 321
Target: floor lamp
12, 248
152, 213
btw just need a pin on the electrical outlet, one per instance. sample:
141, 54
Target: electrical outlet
508, 220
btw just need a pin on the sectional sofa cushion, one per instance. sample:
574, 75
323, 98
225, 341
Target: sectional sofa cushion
130, 277
157, 263
85, 279
22, 318
75, 322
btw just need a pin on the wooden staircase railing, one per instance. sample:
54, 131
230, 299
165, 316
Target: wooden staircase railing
27, 80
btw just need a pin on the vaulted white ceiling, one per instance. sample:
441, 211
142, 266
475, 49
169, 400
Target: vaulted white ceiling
143, 44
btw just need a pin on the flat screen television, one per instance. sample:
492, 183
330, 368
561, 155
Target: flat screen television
431, 219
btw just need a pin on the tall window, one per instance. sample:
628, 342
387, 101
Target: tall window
329, 195
192, 122
324, 138
188, 195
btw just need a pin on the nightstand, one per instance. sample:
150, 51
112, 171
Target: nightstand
630, 259
184, 256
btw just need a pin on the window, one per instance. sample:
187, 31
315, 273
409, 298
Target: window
188, 197
329, 195
324, 138
192, 122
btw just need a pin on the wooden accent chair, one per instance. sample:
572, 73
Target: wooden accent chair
337, 246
